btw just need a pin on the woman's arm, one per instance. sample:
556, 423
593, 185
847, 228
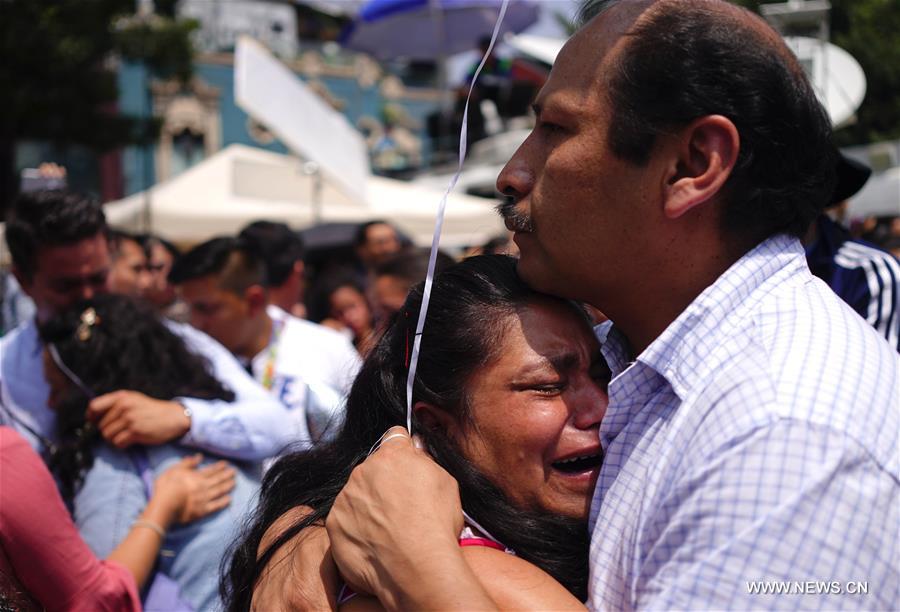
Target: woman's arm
512, 584
251, 427
302, 575
42, 545
515, 584
181, 494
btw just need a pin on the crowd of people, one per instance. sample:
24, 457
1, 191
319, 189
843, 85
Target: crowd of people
648, 400
135, 357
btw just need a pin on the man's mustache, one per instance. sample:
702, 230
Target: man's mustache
515, 220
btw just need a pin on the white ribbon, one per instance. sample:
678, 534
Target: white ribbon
439, 225
436, 241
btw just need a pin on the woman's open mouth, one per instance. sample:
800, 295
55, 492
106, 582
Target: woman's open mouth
579, 464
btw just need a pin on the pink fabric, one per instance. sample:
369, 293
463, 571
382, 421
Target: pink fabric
346, 593
481, 542
41, 547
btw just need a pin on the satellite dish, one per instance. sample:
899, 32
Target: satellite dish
837, 77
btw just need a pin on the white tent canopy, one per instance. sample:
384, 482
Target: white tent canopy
240, 184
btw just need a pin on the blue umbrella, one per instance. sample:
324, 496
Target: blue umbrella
431, 29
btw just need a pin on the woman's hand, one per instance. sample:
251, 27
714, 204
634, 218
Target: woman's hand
182, 493
190, 492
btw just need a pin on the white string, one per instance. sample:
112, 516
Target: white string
436, 241
384, 438
439, 225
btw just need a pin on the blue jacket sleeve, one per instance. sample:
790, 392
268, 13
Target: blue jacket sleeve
252, 427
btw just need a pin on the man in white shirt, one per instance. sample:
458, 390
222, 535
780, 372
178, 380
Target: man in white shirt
281, 249
308, 367
60, 252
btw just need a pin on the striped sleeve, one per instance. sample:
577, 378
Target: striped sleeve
873, 276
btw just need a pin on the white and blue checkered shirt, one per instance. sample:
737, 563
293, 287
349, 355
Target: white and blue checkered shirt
752, 453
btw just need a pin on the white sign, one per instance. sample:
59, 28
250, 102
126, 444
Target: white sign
273, 95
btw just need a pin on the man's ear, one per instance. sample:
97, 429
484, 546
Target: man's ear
256, 299
706, 152
432, 417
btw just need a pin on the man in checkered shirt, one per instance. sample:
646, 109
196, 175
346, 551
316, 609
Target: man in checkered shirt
751, 439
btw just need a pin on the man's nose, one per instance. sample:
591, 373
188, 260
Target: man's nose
88, 291
516, 180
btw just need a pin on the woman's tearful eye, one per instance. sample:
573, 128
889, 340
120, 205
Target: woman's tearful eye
549, 388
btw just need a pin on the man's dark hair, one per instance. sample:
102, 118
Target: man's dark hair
472, 305
692, 59
46, 219
236, 266
362, 232
279, 246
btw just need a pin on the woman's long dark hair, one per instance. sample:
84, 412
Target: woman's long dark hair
471, 305
123, 345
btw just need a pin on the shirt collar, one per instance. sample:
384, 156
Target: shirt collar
275, 313
613, 346
687, 350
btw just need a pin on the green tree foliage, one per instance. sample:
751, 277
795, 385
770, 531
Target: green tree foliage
160, 42
869, 30
57, 79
